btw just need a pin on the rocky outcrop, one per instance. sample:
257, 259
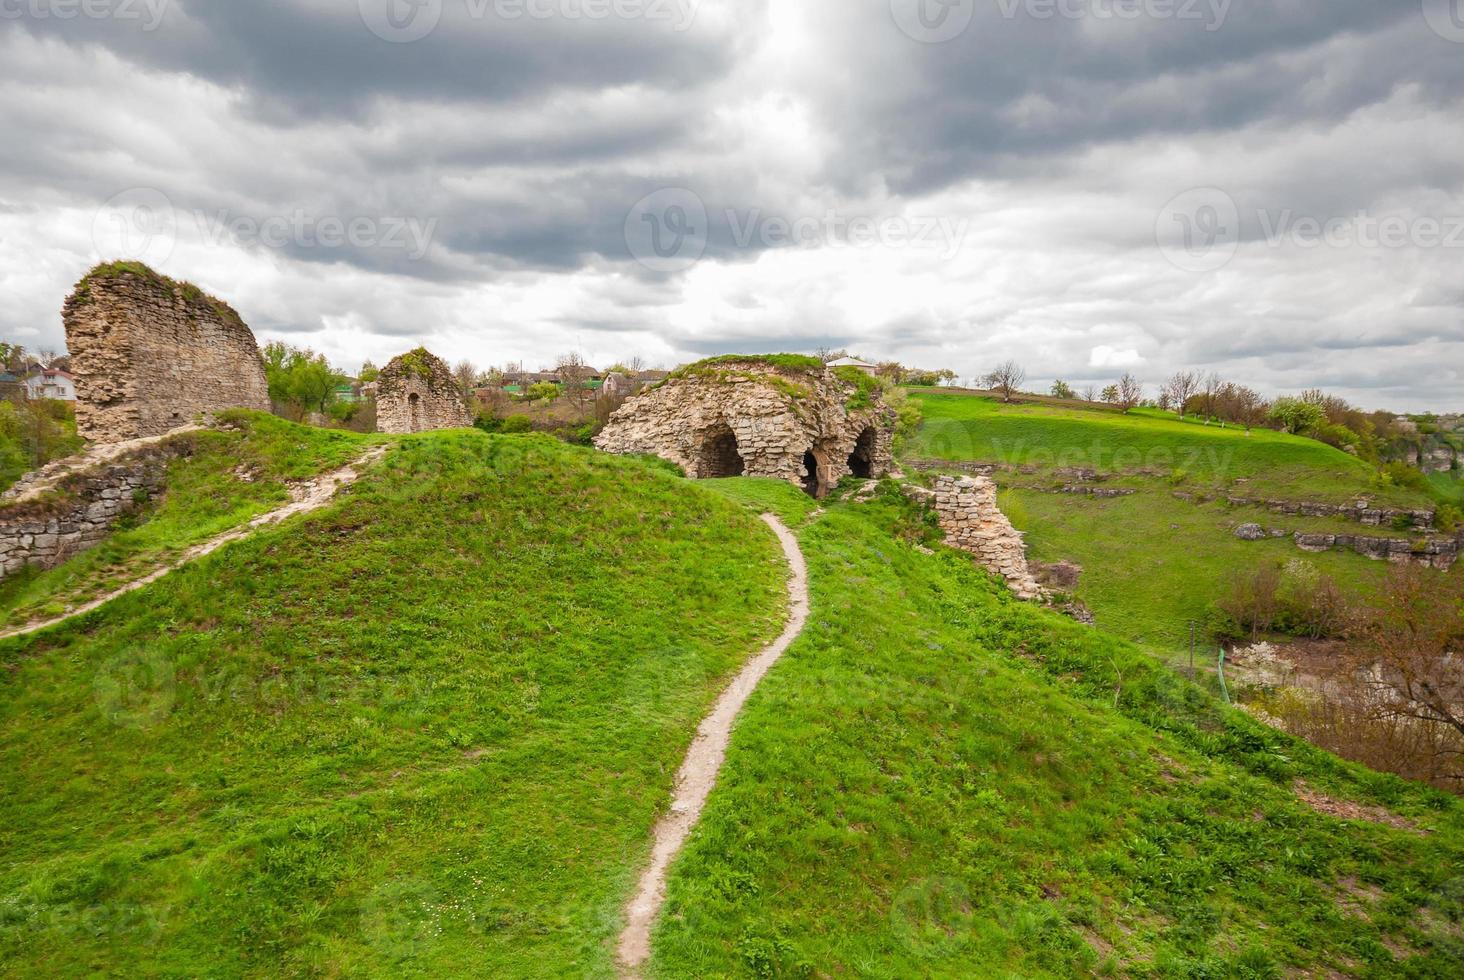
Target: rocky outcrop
973, 523
150, 354
1361, 511
416, 392
1436, 552
783, 417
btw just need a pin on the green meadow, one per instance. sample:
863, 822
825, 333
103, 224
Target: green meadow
424, 732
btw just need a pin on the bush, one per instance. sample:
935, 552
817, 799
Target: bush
1448, 518
513, 425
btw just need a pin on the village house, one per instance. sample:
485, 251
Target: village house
50, 383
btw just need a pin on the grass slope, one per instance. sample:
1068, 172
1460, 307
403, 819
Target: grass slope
940, 781
424, 732
966, 427
204, 496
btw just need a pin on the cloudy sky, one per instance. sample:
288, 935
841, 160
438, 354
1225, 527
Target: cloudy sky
1270, 188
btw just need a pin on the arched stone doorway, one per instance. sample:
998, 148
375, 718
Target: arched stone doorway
718, 455
815, 472
861, 460
414, 412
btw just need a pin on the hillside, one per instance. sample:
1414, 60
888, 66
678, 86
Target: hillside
422, 732
940, 781
1158, 556
1046, 438
427, 731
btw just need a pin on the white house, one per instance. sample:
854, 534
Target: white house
854, 362
52, 384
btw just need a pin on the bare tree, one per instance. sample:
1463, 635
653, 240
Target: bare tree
1406, 652
1181, 388
1210, 387
827, 354
574, 375
1130, 392
1006, 378
47, 357
466, 376
1089, 393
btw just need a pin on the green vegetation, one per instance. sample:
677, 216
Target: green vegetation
222, 478
189, 291
1047, 438
300, 380
424, 732
866, 387
784, 362
941, 781
32, 434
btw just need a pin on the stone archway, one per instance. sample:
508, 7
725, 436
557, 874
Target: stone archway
816, 472
861, 460
718, 454
414, 412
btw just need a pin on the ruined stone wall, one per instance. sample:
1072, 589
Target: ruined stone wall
58, 522
416, 392
752, 418
972, 522
150, 355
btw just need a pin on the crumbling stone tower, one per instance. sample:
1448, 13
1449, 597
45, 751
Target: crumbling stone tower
150, 354
780, 415
416, 392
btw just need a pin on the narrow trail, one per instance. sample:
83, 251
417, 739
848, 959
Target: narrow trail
306, 496
698, 773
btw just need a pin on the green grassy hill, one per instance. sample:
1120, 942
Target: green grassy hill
218, 480
424, 732
1154, 562
966, 427
941, 781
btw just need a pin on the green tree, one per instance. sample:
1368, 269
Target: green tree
1297, 416
1060, 389
300, 380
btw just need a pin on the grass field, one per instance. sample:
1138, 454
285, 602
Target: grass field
966, 427
204, 497
424, 732
940, 781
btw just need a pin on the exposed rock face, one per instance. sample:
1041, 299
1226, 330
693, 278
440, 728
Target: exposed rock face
416, 392
972, 522
1436, 552
735, 417
150, 354
1250, 532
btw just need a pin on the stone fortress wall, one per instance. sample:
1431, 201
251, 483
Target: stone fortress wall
790, 419
150, 354
416, 392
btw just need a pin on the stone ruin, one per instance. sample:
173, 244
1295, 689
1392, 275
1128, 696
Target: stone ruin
416, 392
150, 354
786, 417
968, 514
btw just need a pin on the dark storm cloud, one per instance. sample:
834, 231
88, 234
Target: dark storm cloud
1015, 87
316, 59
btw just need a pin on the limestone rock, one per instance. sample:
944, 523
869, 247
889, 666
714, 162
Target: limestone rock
150, 354
1250, 532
